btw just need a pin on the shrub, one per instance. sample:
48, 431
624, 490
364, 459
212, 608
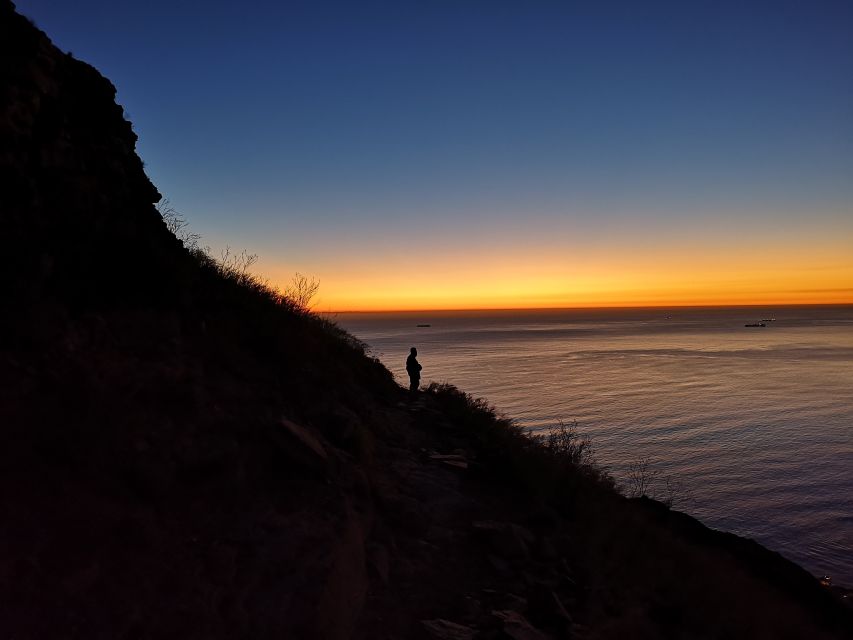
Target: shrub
643, 480
563, 443
301, 292
553, 466
178, 225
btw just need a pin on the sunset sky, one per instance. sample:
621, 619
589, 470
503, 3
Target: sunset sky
453, 154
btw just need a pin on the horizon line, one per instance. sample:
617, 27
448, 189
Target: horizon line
599, 307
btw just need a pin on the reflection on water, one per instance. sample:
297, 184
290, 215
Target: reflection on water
757, 422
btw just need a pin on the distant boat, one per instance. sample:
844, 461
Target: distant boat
768, 320
756, 324
424, 325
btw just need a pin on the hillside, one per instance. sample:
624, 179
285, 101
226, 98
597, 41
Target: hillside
187, 455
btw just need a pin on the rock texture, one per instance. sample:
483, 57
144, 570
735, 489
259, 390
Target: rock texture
183, 457
77, 208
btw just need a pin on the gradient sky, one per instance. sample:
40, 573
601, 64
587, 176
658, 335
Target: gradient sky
452, 154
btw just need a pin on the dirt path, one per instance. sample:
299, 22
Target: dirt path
450, 559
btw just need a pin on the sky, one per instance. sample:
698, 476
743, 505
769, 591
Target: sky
452, 154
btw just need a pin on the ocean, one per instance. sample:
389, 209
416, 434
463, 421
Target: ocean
749, 429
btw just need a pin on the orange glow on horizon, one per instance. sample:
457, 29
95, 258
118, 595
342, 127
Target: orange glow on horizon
638, 301
611, 290
516, 275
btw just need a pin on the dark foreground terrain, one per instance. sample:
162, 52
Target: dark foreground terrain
186, 454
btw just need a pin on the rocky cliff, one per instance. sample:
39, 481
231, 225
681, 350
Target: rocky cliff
78, 210
185, 455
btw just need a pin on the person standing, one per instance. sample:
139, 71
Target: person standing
413, 368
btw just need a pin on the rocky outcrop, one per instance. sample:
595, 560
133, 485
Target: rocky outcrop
76, 208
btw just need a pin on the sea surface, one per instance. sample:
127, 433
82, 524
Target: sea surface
753, 427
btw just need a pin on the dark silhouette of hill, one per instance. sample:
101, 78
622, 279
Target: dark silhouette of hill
79, 221
186, 454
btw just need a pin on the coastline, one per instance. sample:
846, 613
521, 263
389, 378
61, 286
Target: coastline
672, 390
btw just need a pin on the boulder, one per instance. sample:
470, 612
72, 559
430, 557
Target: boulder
300, 446
517, 627
441, 629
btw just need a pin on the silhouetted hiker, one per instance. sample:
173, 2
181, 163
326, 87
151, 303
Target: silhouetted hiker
413, 368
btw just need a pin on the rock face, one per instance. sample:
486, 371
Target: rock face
76, 207
150, 482
181, 456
